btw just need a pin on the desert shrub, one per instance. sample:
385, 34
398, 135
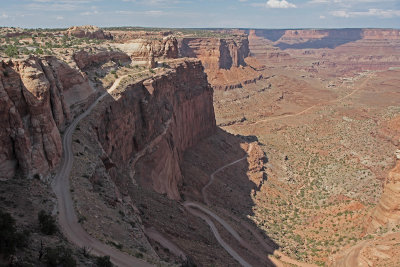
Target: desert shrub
47, 223
11, 51
103, 261
139, 255
188, 262
39, 51
59, 257
10, 238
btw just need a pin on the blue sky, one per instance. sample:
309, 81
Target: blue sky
202, 13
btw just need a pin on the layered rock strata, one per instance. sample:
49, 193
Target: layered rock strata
88, 31
141, 50
216, 53
225, 60
149, 124
34, 110
387, 212
85, 59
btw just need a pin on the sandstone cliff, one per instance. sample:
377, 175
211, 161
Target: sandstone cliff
149, 124
85, 59
88, 31
36, 95
387, 212
216, 53
225, 60
32, 107
143, 49
320, 38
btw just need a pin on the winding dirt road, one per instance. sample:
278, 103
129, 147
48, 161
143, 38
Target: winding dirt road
67, 217
212, 176
195, 208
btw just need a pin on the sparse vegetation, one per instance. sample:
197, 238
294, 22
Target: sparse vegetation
47, 223
10, 237
59, 256
103, 261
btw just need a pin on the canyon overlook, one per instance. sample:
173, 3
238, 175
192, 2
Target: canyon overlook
208, 147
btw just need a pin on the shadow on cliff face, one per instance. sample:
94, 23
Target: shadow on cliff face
334, 39
272, 35
232, 191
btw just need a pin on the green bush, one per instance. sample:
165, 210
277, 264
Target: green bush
104, 261
11, 51
39, 51
10, 238
59, 256
47, 223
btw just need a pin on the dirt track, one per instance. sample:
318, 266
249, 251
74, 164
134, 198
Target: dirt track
67, 217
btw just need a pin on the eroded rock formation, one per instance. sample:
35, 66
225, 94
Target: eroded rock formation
142, 49
216, 53
152, 122
33, 110
85, 59
88, 31
224, 59
387, 212
37, 95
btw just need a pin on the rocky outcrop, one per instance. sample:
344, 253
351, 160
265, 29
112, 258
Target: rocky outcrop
85, 59
387, 212
225, 60
74, 83
127, 36
34, 109
88, 31
216, 53
144, 49
146, 129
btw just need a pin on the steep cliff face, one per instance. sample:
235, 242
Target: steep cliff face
330, 38
143, 49
147, 128
387, 212
36, 95
85, 59
216, 53
88, 31
225, 60
33, 110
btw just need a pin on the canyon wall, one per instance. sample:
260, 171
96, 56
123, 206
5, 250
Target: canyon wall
225, 60
387, 212
85, 59
327, 38
145, 49
216, 53
34, 110
146, 129
88, 31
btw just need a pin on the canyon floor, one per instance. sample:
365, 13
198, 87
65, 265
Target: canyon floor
327, 155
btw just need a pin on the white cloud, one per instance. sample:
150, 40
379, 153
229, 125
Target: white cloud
156, 2
59, 18
4, 16
322, 17
154, 12
90, 13
372, 12
124, 12
280, 4
318, 1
